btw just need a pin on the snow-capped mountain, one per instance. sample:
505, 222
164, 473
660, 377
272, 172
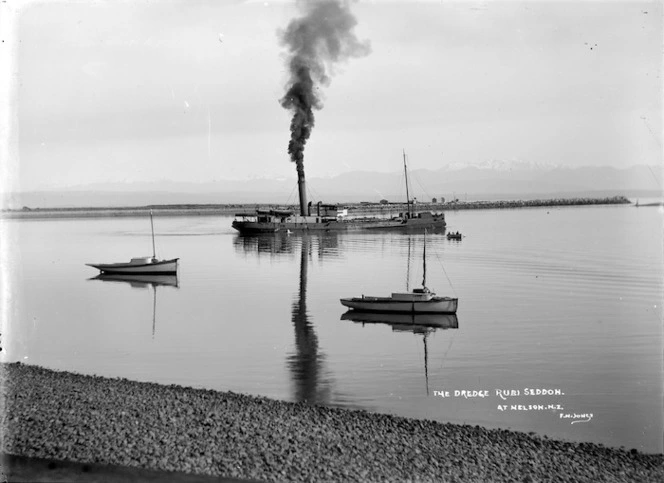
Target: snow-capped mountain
503, 165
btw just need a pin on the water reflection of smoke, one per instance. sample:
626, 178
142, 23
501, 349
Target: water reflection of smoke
311, 382
306, 363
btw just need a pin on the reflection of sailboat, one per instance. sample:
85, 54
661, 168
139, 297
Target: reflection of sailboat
420, 300
140, 265
142, 281
412, 322
139, 280
422, 324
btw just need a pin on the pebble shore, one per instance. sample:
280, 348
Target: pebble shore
88, 419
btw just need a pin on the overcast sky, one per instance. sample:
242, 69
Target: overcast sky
189, 91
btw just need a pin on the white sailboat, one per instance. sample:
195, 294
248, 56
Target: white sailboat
141, 265
419, 301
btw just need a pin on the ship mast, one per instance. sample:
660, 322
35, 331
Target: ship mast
405, 170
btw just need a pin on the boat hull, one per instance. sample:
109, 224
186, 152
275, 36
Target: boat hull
436, 305
164, 267
300, 224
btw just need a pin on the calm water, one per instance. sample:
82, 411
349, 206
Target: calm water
564, 299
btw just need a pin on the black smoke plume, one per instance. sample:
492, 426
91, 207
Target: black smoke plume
322, 37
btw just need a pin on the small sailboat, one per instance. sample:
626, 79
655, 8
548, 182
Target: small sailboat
141, 265
420, 300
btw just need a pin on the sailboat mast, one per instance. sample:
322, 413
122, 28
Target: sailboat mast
424, 261
154, 251
426, 359
408, 268
405, 170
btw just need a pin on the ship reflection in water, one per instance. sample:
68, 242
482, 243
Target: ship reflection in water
419, 324
312, 383
326, 245
306, 363
142, 282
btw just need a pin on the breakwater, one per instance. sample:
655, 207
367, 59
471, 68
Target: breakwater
391, 208
355, 209
124, 211
87, 419
478, 205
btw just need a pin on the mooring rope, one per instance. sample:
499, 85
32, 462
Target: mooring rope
449, 346
446, 276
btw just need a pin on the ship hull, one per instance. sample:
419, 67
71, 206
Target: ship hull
299, 224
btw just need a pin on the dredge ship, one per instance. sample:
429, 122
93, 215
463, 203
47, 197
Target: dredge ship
331, 218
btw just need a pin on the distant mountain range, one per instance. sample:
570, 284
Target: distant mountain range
489, 181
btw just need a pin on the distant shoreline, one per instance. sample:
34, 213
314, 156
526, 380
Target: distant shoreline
353, 208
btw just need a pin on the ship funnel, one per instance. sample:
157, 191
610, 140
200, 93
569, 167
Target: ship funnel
303, 191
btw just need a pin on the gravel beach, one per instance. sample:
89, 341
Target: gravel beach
87, 419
